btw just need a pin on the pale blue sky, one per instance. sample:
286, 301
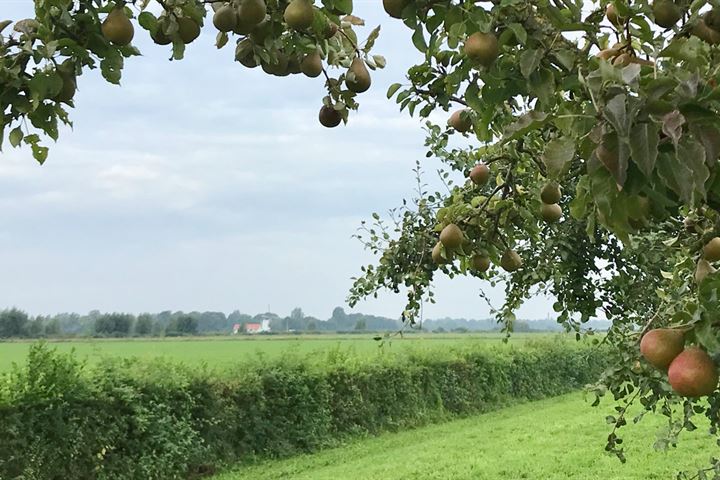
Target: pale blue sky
202, 185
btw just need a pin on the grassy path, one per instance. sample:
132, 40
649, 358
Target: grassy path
560, 438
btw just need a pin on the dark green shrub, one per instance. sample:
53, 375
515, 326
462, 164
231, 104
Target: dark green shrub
126, 419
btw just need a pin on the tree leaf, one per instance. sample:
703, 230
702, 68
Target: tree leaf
526, 123
16, 136
558, 156
644, 147
672, 125
393, 89
530, 60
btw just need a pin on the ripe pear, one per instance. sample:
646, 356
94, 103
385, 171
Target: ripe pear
612, 15
510, 261
360, 80
329, 117
294, 65
666, 13
705, 33
480, 174
712, 19
69, 86
622, 60
702, 270
693, 373
160, 38
225, 18
437, 255
278, 66
330, 30
550, 193
248, 60
711, 250
481, 263
482, 48
249, 15
262, 30
661, 345
299, 14
460, 120
452, 237
394, 8
188, 29
118, 28
551, 213
311, 65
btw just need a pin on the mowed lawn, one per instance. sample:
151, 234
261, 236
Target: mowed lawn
558, 438
225, 351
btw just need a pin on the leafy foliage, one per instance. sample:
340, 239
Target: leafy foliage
623, 115
126, 419
42, 57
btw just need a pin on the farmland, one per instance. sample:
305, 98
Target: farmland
552, 439
225, 351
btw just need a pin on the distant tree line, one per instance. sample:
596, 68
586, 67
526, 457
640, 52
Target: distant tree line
15, 323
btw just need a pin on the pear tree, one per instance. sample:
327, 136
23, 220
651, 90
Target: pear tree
579, 151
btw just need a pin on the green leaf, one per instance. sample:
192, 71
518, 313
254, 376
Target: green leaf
530, 60
615, 112
644, 147
148, 21
672, 125
418, 39
221, 40
558, 156
16, 136
393, 89
526, 123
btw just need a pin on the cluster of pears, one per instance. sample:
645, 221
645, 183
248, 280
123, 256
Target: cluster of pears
691, 371
550, 195
666, 14
357, 80
708, 28
452, 240
241, 17
711, 253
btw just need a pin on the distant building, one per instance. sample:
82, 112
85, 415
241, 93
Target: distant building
236, 328
263, 327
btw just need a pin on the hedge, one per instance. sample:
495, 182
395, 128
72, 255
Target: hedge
60, 419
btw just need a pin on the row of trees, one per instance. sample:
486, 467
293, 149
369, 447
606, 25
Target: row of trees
15, 323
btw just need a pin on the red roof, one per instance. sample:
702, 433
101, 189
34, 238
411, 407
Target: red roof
253, 326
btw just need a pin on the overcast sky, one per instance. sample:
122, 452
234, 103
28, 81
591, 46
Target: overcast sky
202, 185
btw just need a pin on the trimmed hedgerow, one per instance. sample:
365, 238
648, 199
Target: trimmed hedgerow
126, 419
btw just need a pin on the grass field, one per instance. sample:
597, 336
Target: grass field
559, 438
226, 351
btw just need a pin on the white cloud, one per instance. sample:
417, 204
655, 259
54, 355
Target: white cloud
204, 185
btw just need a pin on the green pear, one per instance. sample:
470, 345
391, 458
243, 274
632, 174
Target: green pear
225, 18
329, 117
312, 65
394, 8
299, 14
358, 79
118, 28
188, 29
482, 48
